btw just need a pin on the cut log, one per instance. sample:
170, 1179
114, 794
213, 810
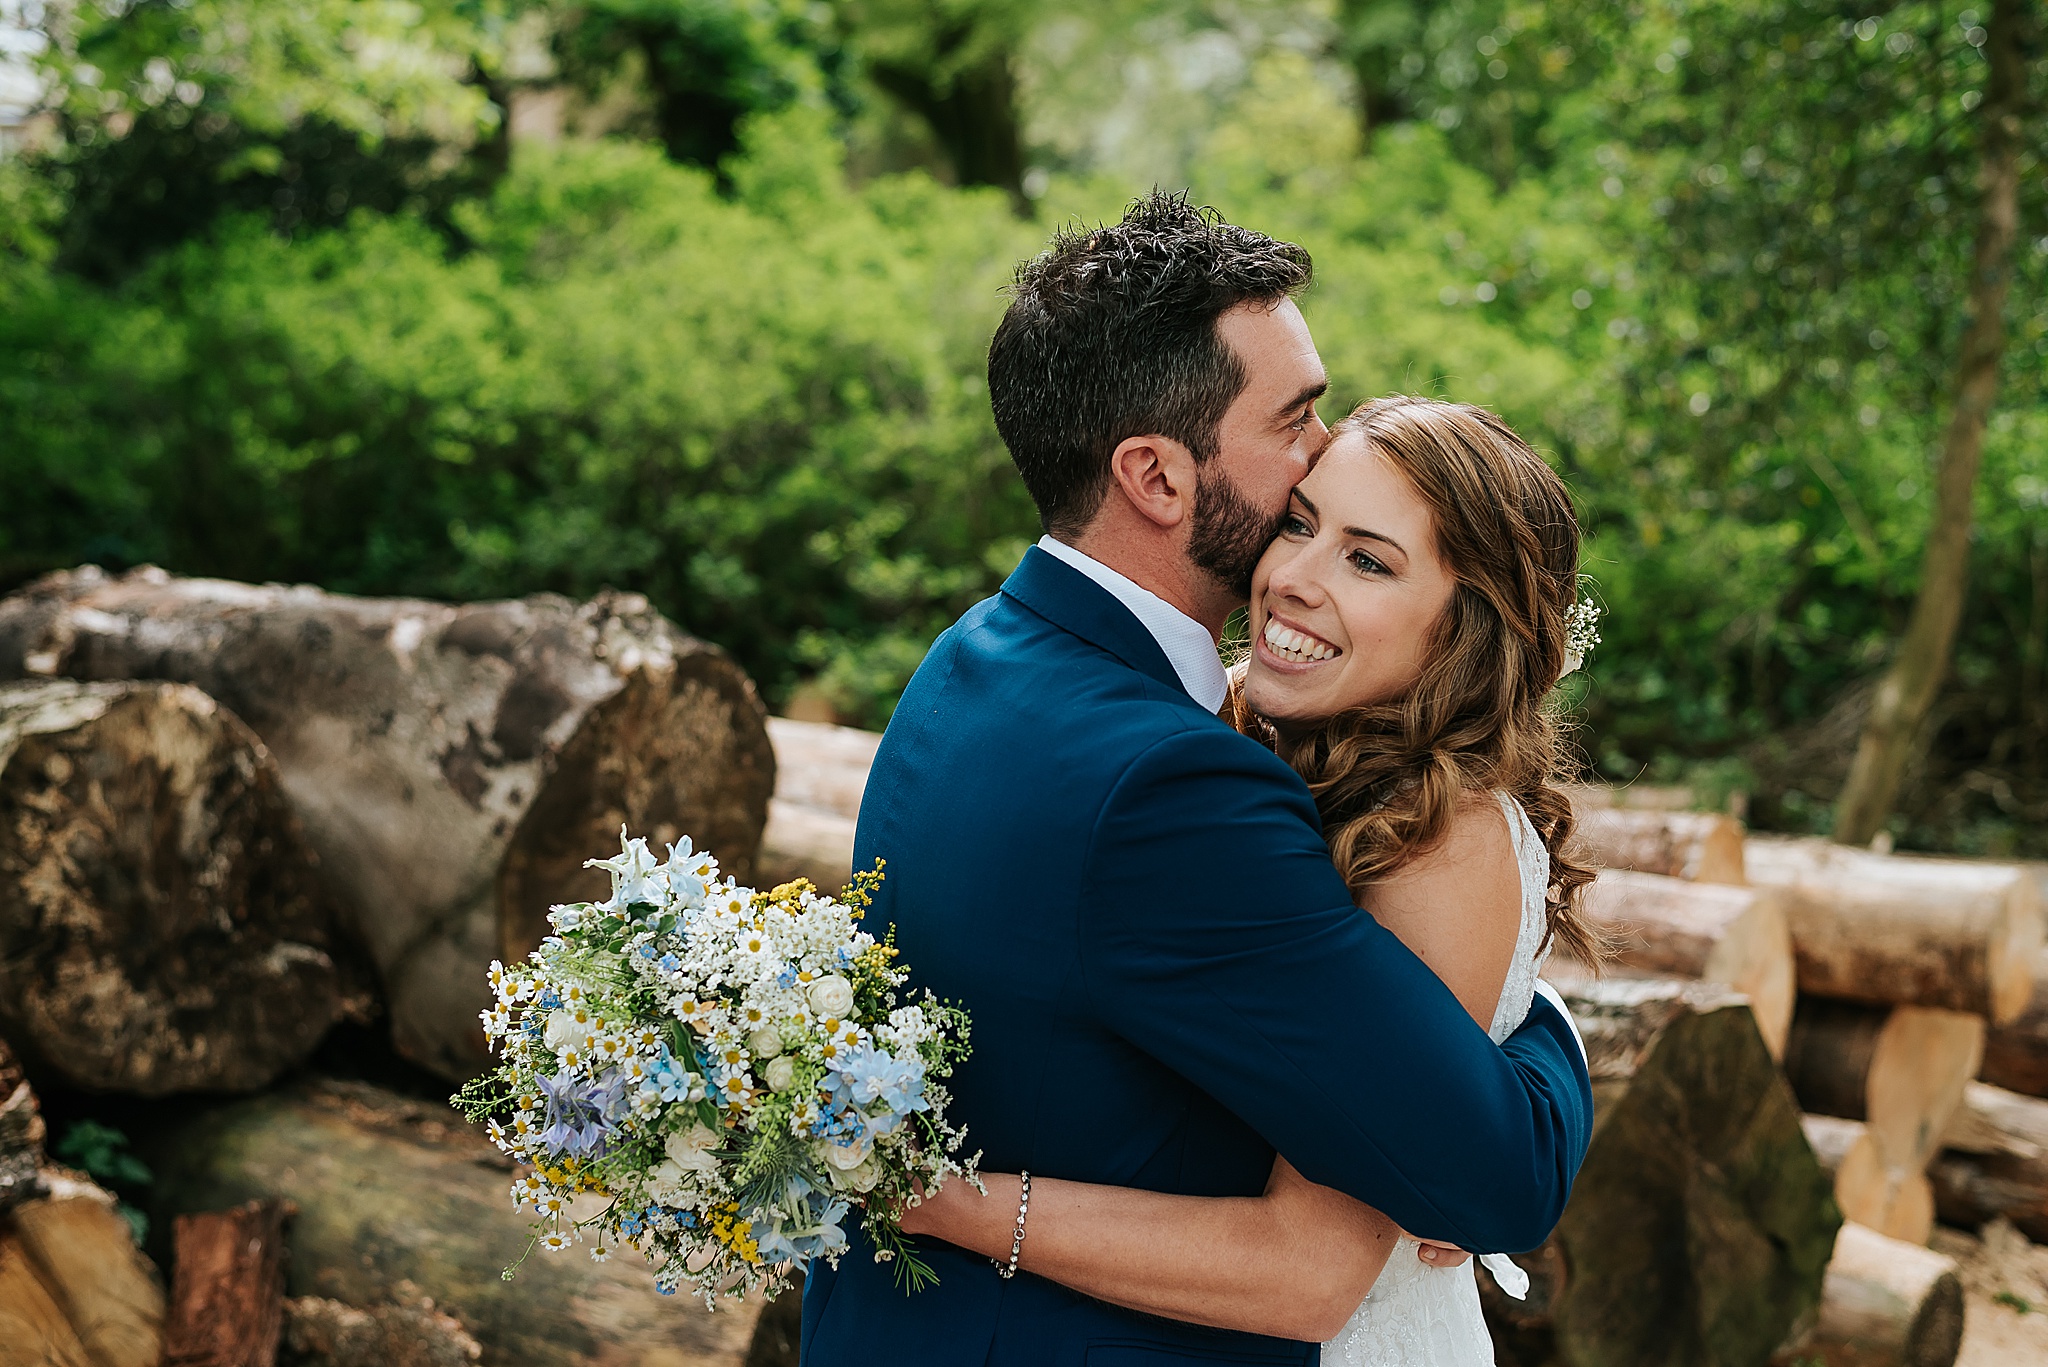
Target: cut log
822, 767
21, 1135
454, 766
324, 1333
33, 1330
1994, 1162
1907, 931
2016, 1053
84, 1254
1734, 936
227, 1288
1896, 1202
1631, 797
1701, 847
802, 843
162, 926
1700, 1226
1885, 1303
1902, 1072
400, 1199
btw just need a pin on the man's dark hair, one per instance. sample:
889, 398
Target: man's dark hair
1111, 334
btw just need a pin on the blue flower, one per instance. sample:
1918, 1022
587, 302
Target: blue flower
873, 1079
580, 1116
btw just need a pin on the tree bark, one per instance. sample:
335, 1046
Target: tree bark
1734, 936
1703, 847
1885, 1303
1907, 691
227, 1292
85, 1255
162, 926
1700, 1225
971, 111
21, 1135
1994, 1162
1900, 1071
394, 1192
2016, 1053
1924, 932
454, 766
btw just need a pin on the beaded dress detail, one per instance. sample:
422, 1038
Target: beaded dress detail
1422, 1316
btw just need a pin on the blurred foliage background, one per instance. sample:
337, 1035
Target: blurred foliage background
481, 297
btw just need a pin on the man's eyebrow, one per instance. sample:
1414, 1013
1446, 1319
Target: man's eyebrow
1306, 397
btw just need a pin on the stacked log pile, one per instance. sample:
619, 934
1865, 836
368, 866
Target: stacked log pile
452, 766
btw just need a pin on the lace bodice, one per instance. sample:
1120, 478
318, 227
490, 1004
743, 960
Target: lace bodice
1422, 1316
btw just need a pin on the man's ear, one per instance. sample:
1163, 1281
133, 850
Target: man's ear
1156, 475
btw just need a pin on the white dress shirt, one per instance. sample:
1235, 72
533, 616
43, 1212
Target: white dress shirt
1188, 646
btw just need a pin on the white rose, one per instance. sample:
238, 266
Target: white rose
691, 1149
780, 1073
669, 1183
765, 1042
832, 997
564, 1031
861, 1177
847, 1157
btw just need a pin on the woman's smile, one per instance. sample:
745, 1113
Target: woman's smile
1291, 646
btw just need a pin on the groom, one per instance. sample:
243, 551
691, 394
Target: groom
1169, 981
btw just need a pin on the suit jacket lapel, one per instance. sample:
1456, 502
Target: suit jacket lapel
1071, 600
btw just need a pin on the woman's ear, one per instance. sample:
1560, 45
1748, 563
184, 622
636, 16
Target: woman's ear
1156, 475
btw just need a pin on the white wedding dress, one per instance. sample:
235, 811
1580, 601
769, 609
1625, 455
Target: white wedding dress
1422, 1316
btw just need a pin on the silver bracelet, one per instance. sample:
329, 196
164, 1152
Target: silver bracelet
1017, 1240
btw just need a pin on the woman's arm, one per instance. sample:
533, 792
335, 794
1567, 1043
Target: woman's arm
1294, 1263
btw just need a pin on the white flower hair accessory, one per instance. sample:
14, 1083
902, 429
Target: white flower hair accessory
1581, 634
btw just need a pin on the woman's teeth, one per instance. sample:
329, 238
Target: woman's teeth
1294, 645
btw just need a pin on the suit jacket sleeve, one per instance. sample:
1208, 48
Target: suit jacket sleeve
1218, 938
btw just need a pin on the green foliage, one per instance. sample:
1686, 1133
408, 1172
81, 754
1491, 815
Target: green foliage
1708, 255
102, 1152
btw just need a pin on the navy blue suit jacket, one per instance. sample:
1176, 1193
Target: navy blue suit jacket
1168, 981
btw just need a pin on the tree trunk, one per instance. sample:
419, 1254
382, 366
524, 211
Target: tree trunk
1923, 932
1907, 691
392, 1192
1994, 1162
162, 927
227, 1292
1703, 847
1885, 1303
454, 766
820, 773
1733, 936
972, 112
1700, 1225
2016, 1053
1902, 1072
84, 1254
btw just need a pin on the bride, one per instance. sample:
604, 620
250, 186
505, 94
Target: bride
1408, 624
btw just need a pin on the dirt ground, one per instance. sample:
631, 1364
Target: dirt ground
2005, 1280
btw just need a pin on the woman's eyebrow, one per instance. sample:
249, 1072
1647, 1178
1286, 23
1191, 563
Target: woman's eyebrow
1364, 535
1303, 500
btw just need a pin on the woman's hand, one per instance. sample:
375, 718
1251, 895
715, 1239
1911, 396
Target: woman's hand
1294, 1197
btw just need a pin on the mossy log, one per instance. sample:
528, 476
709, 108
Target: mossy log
454, 766
400, 1199
1950, 933
1994, 1162
162, 925
1700, 1226
1886, 1303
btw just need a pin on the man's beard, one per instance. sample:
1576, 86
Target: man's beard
1230, 533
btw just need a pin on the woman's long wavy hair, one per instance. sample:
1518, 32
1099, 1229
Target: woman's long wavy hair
1388, 777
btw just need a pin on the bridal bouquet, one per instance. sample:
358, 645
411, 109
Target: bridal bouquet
724, 1074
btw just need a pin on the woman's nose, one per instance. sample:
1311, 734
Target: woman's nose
1292, 578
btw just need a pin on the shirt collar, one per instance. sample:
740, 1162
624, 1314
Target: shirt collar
1186, 643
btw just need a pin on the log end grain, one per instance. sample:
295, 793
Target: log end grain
1886, 1303
84, 1253
162, 925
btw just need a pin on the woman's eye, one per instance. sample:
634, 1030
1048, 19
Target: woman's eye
1366, 564
1294, 525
